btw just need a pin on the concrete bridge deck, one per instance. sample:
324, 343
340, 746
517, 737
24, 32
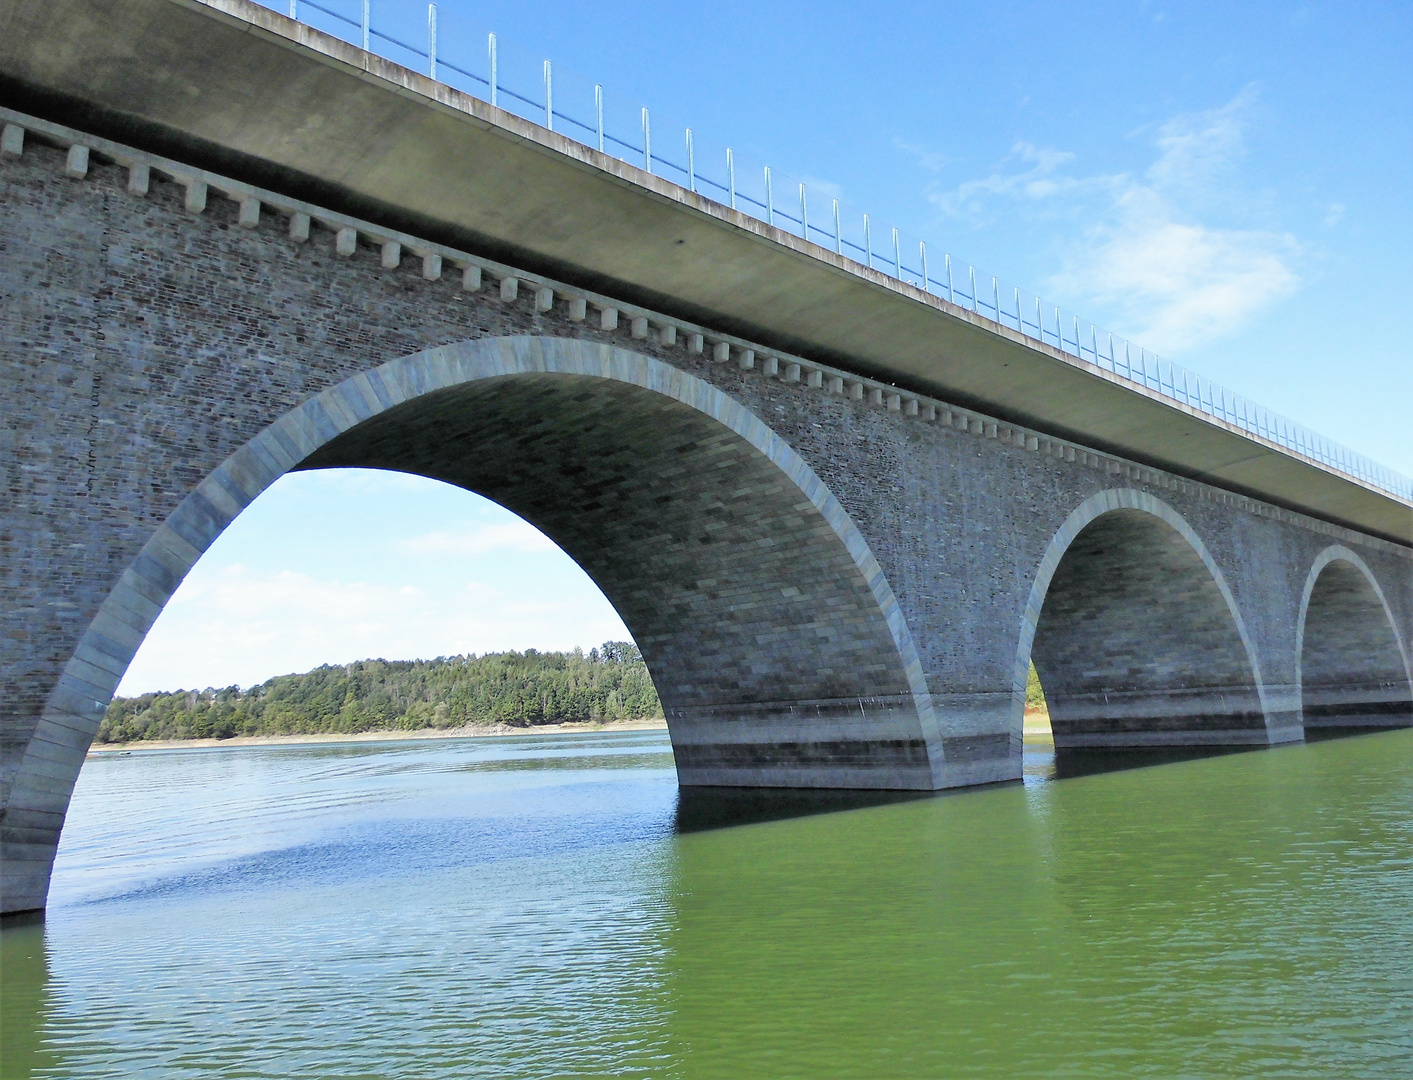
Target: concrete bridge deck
239, 89
837, 578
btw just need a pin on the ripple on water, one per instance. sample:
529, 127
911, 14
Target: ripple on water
536, 907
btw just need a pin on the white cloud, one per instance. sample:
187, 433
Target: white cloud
930, 159
1040, 178
1196, 149
232, 624
1176, 284
1169, 278
480, 539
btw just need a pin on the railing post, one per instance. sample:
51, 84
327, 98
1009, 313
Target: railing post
972, 271
491, 49
897, 257
691, 164
731, 175
769, 199
294, 9
1020, 319
367, 24
598, 112
996, 296
549, 97
838, 231
868, 242
1059, 331
647, 141
922, 258
947, 258
431, 40
804, 215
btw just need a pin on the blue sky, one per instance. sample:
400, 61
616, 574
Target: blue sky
1227, 184
327, 567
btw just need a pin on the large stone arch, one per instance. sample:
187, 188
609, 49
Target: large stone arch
1352, 665
1136, 636
777, 645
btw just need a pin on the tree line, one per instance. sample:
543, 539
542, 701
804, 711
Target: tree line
512, 688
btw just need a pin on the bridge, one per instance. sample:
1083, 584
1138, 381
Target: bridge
839, 513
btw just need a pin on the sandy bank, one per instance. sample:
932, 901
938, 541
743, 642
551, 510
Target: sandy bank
1036, 726
1036, 729
470, 732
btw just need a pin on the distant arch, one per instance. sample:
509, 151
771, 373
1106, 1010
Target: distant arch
1136, 635
1352, 664
777, 645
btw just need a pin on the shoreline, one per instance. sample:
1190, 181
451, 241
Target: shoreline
1035, 725
392, 735
1035, 728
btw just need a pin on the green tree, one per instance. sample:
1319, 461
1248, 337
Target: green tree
517, 689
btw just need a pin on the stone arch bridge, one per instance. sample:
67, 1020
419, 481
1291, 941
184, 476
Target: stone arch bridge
836, 581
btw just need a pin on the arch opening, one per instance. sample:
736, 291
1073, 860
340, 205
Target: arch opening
778, 649
1353, 672
387, 592
751, 615
1137, 641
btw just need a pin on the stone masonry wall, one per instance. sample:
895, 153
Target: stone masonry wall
141, 344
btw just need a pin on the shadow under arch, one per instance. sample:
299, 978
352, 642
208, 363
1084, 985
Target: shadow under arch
777, 646
1352, 665
1136, 636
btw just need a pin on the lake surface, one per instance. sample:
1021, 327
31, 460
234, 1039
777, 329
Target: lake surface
542, 906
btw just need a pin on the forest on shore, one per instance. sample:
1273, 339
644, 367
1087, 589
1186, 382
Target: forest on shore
511, 688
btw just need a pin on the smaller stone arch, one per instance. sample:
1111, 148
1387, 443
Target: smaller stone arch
1136, 636
1352, 665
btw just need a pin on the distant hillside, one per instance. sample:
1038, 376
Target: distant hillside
517, 689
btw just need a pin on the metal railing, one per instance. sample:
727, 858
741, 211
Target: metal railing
502, 75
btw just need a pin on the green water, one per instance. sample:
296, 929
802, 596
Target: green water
543, 907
